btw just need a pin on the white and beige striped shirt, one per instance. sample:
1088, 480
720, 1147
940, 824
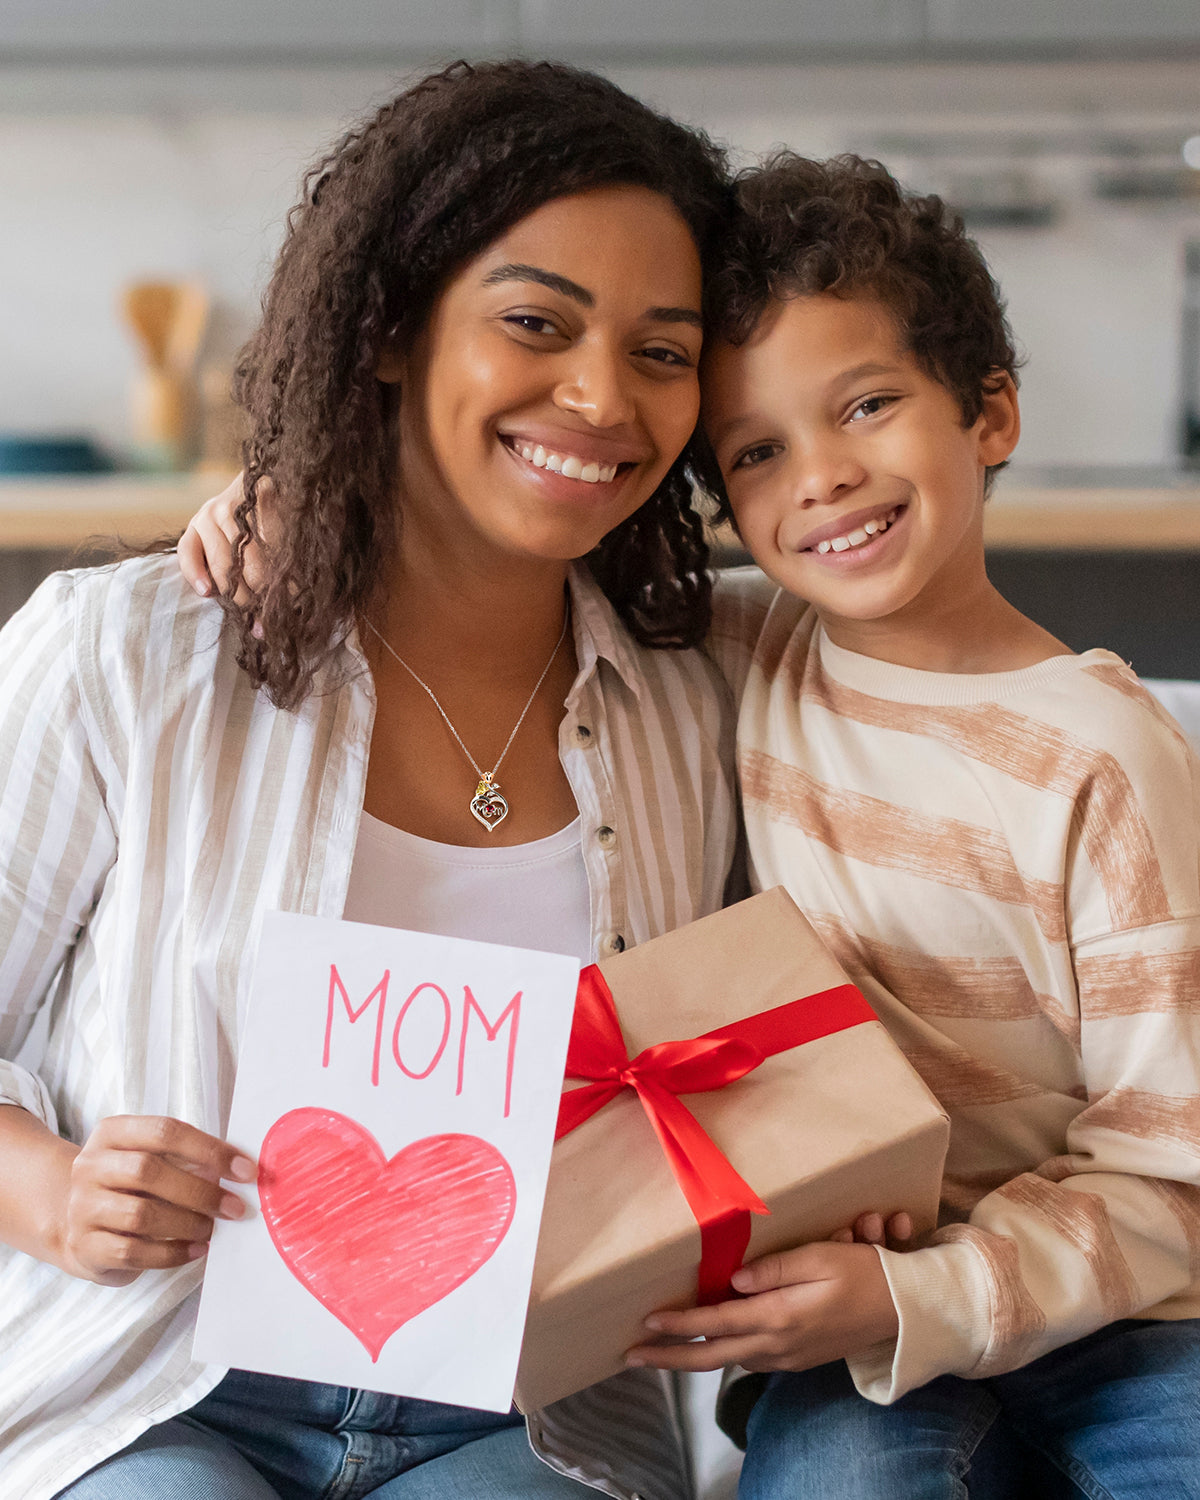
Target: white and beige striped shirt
152, 808
1008, 865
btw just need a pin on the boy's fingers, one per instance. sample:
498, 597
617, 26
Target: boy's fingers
192, 564
713, 1354
781, 1268
717, 1321
868, 1229
218, 552
900, 1227
842, 1236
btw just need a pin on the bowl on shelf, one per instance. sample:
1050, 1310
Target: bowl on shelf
67, 454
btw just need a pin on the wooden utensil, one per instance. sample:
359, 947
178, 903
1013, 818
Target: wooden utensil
168, 319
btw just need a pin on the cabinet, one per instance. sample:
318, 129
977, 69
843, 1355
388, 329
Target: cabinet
161, 28
718, 28
1026, 23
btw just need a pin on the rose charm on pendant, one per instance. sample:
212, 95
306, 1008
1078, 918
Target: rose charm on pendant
489, 804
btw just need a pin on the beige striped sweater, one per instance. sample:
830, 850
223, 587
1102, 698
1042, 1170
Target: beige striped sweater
1008, 865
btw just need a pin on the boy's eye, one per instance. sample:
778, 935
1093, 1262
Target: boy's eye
871, 406
749, 458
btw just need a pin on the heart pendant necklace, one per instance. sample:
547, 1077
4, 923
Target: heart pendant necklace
489, 805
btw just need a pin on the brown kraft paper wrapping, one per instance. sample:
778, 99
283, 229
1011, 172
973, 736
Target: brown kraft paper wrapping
822, 1133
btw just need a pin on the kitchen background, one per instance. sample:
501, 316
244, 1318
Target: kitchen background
149, 141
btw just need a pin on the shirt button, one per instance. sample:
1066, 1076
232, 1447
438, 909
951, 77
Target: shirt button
583, 736
606, 836
613, 943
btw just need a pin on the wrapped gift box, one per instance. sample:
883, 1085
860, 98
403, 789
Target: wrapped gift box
821, 1132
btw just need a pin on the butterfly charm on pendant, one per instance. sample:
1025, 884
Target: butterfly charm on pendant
489, 804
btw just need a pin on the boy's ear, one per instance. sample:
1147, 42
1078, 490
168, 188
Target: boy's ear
999, 424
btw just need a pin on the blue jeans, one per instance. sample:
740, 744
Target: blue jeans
261, 1437
1111, 1417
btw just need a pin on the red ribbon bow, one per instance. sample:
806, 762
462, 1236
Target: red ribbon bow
719, 1198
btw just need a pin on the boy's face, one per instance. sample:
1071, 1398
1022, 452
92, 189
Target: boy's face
854, 482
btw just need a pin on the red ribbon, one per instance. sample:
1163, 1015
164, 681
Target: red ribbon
719, 1198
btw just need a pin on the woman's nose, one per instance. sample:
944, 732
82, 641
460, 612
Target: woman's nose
596, 386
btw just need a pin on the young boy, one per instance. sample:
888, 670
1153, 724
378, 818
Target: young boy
998, 838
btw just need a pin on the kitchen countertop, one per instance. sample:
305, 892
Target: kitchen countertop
1026, 512
66, 510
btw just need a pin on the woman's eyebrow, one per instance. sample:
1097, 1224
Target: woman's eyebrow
517, 271
675, 315
561, 284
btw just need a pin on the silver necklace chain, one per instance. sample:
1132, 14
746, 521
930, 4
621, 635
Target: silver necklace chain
484, 776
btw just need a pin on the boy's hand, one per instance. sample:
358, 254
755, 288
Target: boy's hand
801, 1308
870, 1229
205, 551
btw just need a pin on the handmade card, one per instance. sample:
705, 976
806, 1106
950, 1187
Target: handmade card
400, 1093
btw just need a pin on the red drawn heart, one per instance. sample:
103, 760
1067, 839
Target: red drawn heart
377, 1241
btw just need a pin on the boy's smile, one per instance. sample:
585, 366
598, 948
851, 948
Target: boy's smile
854, 481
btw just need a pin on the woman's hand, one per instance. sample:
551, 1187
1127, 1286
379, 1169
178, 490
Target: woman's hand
205, 549
799, 1309
142, 1194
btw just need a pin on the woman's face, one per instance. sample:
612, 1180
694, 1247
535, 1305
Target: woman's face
555, 383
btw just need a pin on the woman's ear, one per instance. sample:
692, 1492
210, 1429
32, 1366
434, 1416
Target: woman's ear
390, 366
999, 423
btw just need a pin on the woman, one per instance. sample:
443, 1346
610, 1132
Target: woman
477, 365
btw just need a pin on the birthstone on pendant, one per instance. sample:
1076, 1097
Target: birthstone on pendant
488, 804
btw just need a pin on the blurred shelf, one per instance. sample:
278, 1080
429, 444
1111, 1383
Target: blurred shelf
1093, 519
65, 512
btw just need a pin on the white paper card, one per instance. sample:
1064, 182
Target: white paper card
400, 1093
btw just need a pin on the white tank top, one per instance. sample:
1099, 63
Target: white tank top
527, 896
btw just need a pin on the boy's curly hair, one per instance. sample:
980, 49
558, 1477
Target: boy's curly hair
386, 218
846, 227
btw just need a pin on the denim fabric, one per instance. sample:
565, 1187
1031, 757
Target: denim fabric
261, 1437
1115, 1416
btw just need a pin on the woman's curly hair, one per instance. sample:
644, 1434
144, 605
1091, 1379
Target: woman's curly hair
846, 227
400, 203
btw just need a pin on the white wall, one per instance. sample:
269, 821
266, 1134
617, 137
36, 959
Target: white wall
111, 174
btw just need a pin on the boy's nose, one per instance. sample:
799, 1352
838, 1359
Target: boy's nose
596, 387
826, 474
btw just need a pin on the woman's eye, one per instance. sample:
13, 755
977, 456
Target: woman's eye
660, 354
749, 458
531, 323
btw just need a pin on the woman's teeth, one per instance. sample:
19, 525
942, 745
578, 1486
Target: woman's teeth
573, 468
856, 538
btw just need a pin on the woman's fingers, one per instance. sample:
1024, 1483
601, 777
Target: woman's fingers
118, 1259
147, 1218
144, 1192
160, 1135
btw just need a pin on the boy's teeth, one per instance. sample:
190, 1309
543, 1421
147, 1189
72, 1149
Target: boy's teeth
573, 468
856, 538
